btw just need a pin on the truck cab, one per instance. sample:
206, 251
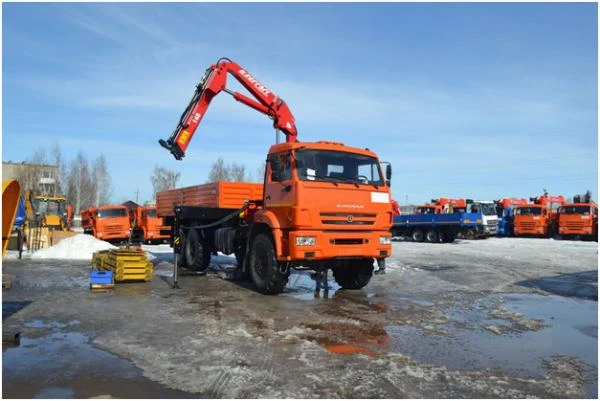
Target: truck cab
489, 215
108, 223
505, 211
325, 200
539, 218
147, 226
578, 220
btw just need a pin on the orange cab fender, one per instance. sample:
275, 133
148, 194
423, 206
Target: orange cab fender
265, 224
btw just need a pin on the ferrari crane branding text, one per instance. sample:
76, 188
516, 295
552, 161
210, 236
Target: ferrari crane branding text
261, 88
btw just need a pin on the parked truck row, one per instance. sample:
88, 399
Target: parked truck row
543, 216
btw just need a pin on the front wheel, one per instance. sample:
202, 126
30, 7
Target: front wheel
355, 274
264, 267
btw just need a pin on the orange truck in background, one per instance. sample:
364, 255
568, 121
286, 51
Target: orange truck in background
579, 219
108, 223
146, 226
539, 218
443, 205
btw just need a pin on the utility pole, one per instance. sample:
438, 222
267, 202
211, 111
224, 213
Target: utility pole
137, 196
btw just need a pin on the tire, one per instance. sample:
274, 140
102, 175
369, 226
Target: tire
470, 233
432, 236
354, 274
264, 267
196, 254
417, 235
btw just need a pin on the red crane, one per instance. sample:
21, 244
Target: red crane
213, 82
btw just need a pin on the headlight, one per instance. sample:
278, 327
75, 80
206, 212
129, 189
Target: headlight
385, 240
100, 235
306, 241
150, 233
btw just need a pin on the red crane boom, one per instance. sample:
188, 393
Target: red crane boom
213, 82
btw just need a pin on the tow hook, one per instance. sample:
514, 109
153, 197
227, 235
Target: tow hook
381, 266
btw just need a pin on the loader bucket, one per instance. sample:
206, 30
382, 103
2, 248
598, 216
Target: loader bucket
11, 191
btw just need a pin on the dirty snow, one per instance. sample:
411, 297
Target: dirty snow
80, 246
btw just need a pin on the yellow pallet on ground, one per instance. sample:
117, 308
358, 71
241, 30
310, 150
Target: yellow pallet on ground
127, 264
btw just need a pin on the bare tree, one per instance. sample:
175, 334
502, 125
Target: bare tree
101, 180
163, 179
57, 160
81, 187
237, 172
218, 171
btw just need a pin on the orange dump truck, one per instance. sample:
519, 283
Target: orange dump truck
147, 226
108, 223
578, 219
539, 218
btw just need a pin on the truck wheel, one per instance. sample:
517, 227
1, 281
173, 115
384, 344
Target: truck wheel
432, 235
417, 235
197, 256
470, 233
264, 267
354, 274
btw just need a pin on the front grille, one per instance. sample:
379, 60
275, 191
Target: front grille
348, 241
352, 219
527, 225
575, 225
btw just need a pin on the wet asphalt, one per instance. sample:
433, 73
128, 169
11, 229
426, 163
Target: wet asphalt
439, 324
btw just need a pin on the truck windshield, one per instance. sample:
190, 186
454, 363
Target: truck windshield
529, 210
106, 213
327, 165
425, 210
487, 209
575, 210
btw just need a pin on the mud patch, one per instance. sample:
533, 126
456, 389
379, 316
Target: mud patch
539, 328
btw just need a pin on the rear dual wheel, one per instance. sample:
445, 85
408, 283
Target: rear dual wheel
196, 253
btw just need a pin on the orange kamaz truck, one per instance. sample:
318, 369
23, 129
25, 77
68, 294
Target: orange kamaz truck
539, 218
579, 220
147, 227
322, 205
108, 223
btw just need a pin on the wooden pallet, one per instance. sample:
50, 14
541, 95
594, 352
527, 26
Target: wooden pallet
126, 264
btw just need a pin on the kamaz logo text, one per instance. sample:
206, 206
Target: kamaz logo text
351, 206
261, 88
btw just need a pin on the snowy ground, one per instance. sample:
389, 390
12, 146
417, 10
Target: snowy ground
492, 318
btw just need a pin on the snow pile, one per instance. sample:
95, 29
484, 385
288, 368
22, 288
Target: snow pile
80, 246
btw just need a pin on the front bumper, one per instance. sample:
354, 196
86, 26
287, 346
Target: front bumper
338, 245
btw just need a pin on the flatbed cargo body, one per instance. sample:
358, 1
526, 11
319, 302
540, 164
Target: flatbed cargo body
437, 227
225, 195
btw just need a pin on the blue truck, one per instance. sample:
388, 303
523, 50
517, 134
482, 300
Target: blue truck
436, 227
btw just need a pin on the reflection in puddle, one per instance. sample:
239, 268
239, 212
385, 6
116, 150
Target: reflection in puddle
65, 365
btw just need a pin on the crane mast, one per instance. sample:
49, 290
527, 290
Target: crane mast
214, 82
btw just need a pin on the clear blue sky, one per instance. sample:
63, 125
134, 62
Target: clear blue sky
465, 100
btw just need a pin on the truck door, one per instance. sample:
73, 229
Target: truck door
279, 187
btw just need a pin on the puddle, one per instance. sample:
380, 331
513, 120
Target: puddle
570, 329
302, 286
9, 308
65, 365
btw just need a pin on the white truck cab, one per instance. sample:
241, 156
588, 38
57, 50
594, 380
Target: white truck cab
489, 215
